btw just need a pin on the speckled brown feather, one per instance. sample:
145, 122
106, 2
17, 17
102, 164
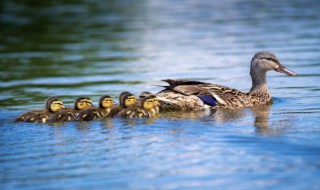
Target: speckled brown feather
182, 95
63, 115
92, 113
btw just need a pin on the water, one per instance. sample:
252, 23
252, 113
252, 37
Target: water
92, 48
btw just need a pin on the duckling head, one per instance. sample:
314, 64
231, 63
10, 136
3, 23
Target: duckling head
106, 102
82, 103
54, 104
149, 102
266, 61
143, 95
127, 99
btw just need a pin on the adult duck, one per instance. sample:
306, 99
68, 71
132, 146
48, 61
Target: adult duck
195, 95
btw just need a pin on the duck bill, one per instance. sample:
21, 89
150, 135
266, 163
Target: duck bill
282, 69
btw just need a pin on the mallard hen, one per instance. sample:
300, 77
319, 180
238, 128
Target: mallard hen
195, 95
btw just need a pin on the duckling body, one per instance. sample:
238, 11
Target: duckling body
53, 105
69, 114
126, 100
29, 114
195, 95
105, 106
35, 117
66, 114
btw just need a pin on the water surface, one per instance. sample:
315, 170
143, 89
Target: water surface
92, 48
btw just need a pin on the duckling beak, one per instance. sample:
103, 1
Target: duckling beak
282, 69
62, 107
157, 103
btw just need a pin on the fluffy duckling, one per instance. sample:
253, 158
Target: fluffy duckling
126, 100
105, 106
149, 108
53, 105
68, 114
155, 99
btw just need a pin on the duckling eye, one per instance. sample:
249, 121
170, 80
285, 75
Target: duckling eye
58, 103
82, 102
131, 98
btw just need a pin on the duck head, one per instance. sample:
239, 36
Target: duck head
266, 61
143, 95
150, 102
106, 102
127, 99
82, 103
54, 104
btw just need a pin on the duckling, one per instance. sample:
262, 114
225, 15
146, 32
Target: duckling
53, 105
68, 114
126, 100
148, 108
105, 106
155, 99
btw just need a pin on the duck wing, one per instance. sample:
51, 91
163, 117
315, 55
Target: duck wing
210, 94
132, 112
65, 114
228, 97
172, 82
89, 114
25, 116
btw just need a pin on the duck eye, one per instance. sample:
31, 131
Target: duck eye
58, 103
269, 59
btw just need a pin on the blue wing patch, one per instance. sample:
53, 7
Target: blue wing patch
208, 99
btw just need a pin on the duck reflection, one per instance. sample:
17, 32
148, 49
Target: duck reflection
261, 114
140, 121
107, 123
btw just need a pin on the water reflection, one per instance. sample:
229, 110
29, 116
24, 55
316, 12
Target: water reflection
261, 114
140, 121
220, 116
107, 123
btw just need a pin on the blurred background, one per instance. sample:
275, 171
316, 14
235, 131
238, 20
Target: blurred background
89, 47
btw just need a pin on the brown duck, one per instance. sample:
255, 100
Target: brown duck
53, 105
195, 95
